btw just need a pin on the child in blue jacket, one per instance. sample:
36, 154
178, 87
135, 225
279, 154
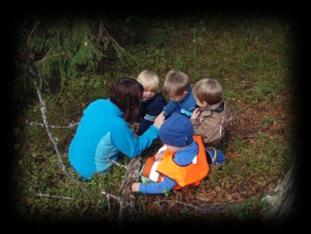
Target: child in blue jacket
178, 90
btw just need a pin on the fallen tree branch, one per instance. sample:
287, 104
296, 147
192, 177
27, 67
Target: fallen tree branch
45, 122
46, 125
131, 174
127, 199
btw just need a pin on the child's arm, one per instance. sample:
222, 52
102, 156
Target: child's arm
135, 187
125, 141
153, 110
148, 121
154, 187
169, 108
195, 119
145, 124
195, 114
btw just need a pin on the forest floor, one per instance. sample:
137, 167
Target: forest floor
250, 56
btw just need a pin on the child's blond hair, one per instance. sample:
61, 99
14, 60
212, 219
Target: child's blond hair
176, 83
149, 80
208, 90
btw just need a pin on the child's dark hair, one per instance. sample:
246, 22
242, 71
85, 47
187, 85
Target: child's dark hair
126, 93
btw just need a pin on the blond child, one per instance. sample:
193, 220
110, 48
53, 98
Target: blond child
178, 90
152, 100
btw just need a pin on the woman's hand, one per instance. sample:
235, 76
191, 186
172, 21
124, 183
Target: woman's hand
135, 127
135, 187
195, 114
159, 120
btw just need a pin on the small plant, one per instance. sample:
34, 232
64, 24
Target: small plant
267, 121
246, 211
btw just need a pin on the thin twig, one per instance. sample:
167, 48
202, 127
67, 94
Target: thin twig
51, 56
118, 164
131, 173
71, 125
117, 198
45, 56
110, 37
109, 207
99, 33
111, 195
30, 34
53, 196
179, 202
127, 198
210, 207
120, 50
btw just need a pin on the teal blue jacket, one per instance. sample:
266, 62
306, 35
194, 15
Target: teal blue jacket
100, 137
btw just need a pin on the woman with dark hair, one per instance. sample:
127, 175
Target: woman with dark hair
104, 131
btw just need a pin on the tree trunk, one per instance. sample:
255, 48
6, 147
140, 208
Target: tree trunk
285, 202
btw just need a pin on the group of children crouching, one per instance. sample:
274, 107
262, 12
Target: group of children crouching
195, 120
